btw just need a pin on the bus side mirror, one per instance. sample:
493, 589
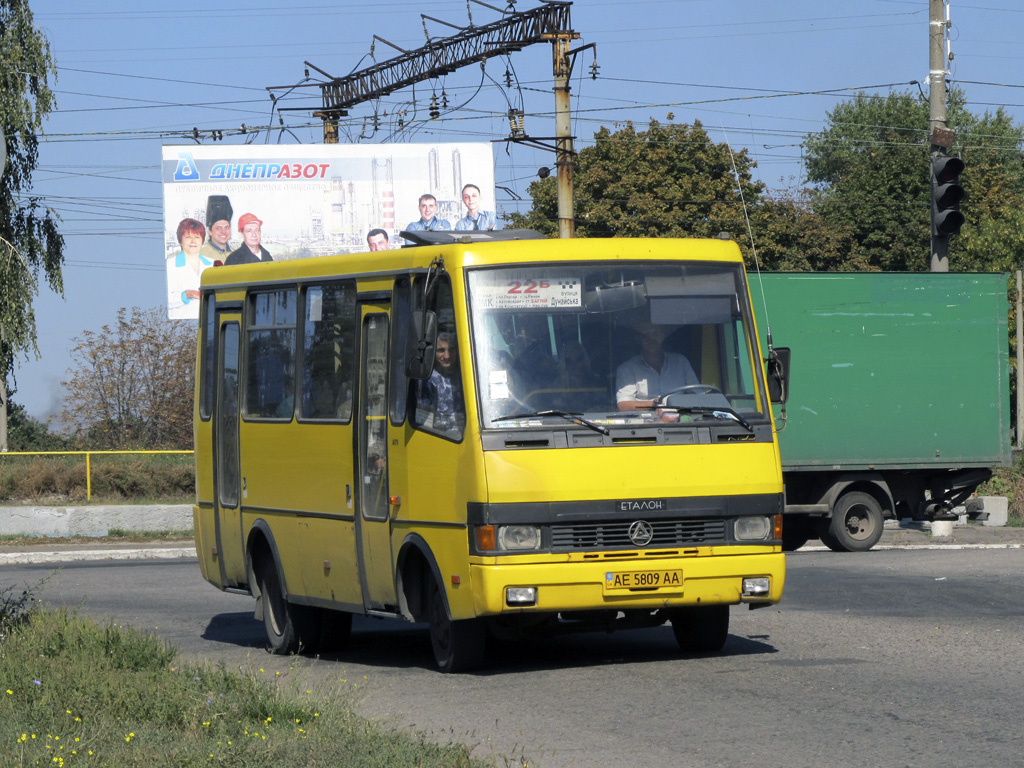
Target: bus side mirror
777, 367
419, 357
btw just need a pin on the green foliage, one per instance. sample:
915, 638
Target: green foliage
871, 168
75, 692
15, 609
25, 433
29, 241
668, 181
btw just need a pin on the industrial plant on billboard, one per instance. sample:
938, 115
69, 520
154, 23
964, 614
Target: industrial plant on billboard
249, 203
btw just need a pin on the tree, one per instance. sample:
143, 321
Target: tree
668, 181
871, 170
26, 433
132, 384
29, 240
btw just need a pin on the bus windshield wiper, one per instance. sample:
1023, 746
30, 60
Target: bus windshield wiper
716, 412
573, 416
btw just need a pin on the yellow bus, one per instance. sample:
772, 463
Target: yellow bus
489, 433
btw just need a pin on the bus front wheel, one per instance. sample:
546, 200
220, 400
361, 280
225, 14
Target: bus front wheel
701, 629
458, 645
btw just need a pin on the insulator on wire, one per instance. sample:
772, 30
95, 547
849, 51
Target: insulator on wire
594, 69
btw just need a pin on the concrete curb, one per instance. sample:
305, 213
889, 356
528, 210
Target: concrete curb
80, 555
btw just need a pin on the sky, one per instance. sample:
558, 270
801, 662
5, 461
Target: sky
133, 76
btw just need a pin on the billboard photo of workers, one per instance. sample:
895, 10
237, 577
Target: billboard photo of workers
302, 201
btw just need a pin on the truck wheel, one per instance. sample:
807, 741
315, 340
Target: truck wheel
458, 645
856, 524
290, 628
702, 629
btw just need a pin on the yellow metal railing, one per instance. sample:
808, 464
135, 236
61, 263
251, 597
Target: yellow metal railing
88, 459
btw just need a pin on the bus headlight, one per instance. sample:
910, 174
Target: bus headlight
751, 528
518, 537
757, 587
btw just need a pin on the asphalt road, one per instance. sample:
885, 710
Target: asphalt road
888, 658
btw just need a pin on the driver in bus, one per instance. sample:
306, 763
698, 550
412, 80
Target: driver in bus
644, 378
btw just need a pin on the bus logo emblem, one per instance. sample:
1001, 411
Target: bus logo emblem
641, 532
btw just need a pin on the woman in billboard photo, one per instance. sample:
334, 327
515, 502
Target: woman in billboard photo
184, 269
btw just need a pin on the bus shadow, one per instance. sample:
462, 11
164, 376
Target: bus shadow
394, 645
383, 644
239, 629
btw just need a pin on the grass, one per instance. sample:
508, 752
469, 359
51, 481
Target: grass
115, 535
75, 693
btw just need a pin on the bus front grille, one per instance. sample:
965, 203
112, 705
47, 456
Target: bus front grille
667, 533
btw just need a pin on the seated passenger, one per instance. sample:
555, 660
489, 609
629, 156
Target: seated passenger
440, 405
642, 379
578, 387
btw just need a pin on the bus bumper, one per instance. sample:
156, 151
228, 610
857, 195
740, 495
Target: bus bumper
576, 586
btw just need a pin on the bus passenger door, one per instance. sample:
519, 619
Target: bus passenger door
227, 510
373, 521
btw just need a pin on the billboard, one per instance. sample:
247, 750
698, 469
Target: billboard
272, 202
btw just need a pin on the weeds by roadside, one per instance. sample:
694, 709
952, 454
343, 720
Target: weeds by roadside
75, 693
115, 535
58, 479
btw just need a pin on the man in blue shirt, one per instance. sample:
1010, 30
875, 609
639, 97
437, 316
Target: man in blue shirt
475, 218
428, 219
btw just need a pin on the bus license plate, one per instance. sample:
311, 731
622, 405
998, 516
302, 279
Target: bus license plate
615, 580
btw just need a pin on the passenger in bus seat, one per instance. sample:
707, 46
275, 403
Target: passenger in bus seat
642, 379
578, 387
440, 404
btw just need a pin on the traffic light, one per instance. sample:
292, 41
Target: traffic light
946, 195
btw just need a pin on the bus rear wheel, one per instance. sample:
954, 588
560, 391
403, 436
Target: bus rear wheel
701, 629
458, 645
290, 628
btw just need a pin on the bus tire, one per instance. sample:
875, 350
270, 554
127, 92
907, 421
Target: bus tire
701, 629
290, 628
856, 523
797, 530
458, 645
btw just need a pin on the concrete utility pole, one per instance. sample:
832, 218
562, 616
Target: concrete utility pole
471, 45
941, 137
564, 151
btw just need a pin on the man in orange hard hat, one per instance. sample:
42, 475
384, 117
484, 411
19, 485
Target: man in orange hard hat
251, 252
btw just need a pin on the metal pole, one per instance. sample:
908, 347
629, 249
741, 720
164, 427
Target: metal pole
1020, 369
563, 136
937, 111
3, 415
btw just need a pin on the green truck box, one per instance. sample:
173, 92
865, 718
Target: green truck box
898, 402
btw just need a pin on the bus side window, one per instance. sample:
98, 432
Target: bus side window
401, 312
208, 365
270, 355
440, 399
328, 341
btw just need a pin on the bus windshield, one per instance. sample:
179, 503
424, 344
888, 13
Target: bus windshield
612, 345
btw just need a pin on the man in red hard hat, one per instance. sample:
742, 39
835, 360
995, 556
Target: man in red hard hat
251, 251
